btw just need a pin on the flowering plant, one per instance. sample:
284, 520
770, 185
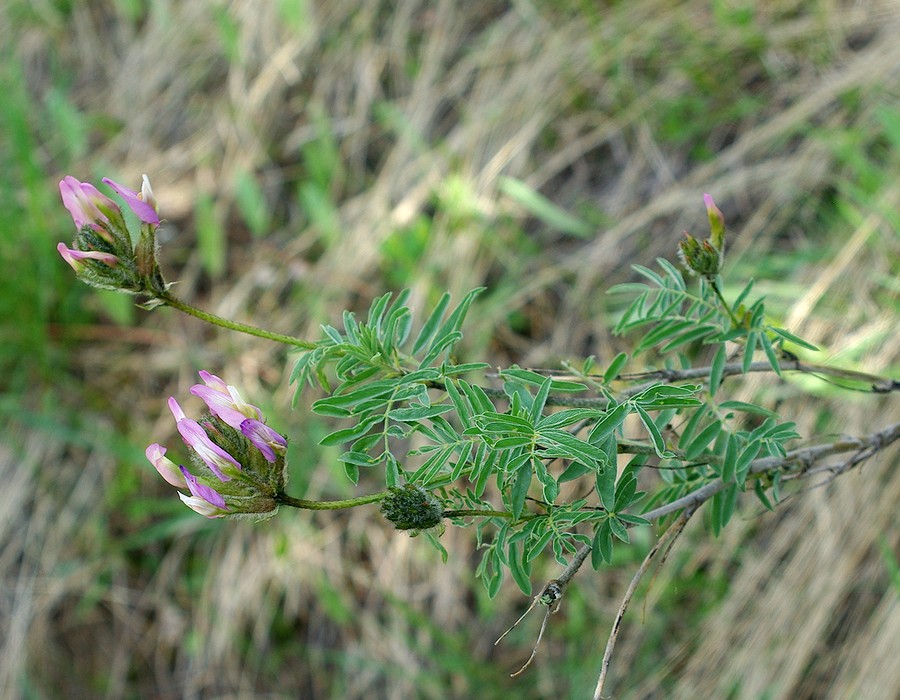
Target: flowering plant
560, 461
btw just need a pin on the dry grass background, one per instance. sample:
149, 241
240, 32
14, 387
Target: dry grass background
421, 109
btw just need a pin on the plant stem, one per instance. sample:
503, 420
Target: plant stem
476, 513
286, 500
715, 288
176, 303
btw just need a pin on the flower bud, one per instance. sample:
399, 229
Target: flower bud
699, 258
716, 224
706, 258
411, 507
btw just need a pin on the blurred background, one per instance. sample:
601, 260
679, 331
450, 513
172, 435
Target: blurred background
308, 156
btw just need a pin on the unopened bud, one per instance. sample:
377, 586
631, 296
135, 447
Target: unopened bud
716, 224
411, 507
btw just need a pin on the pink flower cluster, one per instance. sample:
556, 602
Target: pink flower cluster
226, 404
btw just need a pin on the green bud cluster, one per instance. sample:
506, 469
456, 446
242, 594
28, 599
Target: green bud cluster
411, 507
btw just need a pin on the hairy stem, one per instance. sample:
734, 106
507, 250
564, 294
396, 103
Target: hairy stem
176, 303
286, 500
725, 305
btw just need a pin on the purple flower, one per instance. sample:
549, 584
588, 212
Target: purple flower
264, 438
196, 438
75, 257
143, 204
254, 483
169, 471
203, 499
224, 401
89, 207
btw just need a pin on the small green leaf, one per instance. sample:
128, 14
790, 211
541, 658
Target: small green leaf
349, 434
482, 470
540, 399
431, 324
352, 472
698, 444
575, 470
369, 391
743, 295
520, 489
717, 369
609, 423
744, 460
745, 407
444, 342
391, 472
458, 315
673, 273
493, 422
536, 546
696, 333
771, 355
433, 466
477, 397
465, 368
729, 462
568, 416
728, 504
632, 519
551, 487
617, 527
508, 443
417, 413
634, 310
459, 403
687, 435
659, 444
626, 488
495, 581
601, 547
715, 514
761, 495
351, 328
606, 487
537, 379
627, 288
663, 332
519, 569
749, 351
360, 459
575, 447
377, 310
649, 274
615, 367
793, 338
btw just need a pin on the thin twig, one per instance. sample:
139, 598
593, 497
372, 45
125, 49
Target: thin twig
550, 597
803, 458
878, 385
667, 539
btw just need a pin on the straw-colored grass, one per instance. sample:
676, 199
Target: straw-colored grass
376, 137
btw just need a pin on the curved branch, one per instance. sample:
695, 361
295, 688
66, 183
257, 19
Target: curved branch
876, 384
667, 539
801, 459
